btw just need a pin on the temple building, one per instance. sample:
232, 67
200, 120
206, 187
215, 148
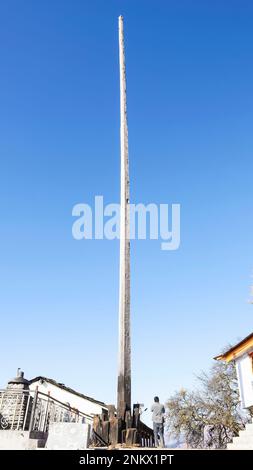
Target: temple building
44, 413
63, 394
242, 354
15, 406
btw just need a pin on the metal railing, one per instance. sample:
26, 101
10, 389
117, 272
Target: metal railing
15, 409
34, 411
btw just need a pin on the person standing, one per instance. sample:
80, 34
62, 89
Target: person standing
158, 412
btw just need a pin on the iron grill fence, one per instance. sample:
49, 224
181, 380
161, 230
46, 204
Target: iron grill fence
34, 411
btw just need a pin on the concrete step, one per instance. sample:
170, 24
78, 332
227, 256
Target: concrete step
243, 440
245, 433
240, 446
20, 440
35, 444
248, 430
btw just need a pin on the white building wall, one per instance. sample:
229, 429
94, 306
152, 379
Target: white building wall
245, 379
66, 397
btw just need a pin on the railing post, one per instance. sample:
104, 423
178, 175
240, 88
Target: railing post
46, 413
14, 411
33, 408
21, 409
26, 411
2, 398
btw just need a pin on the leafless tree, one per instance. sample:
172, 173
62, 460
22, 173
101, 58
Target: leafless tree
211, 416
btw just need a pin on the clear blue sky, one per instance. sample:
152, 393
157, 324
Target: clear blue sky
190, 106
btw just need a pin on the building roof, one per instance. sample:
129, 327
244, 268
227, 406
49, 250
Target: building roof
237, 350
19, 379
64, 387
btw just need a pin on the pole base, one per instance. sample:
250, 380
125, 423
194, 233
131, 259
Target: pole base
109, 430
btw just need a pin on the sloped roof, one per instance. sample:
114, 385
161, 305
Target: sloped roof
237, 350
68, 389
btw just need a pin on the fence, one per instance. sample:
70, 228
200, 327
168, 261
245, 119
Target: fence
34, 411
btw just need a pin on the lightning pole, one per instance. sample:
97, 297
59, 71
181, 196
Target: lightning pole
124, 368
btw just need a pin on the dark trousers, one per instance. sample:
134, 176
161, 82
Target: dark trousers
158, 434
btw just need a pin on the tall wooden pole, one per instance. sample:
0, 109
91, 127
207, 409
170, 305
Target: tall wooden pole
124, 371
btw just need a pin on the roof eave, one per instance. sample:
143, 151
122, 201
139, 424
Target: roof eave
68, 389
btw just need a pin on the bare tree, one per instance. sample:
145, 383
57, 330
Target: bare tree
211, 416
